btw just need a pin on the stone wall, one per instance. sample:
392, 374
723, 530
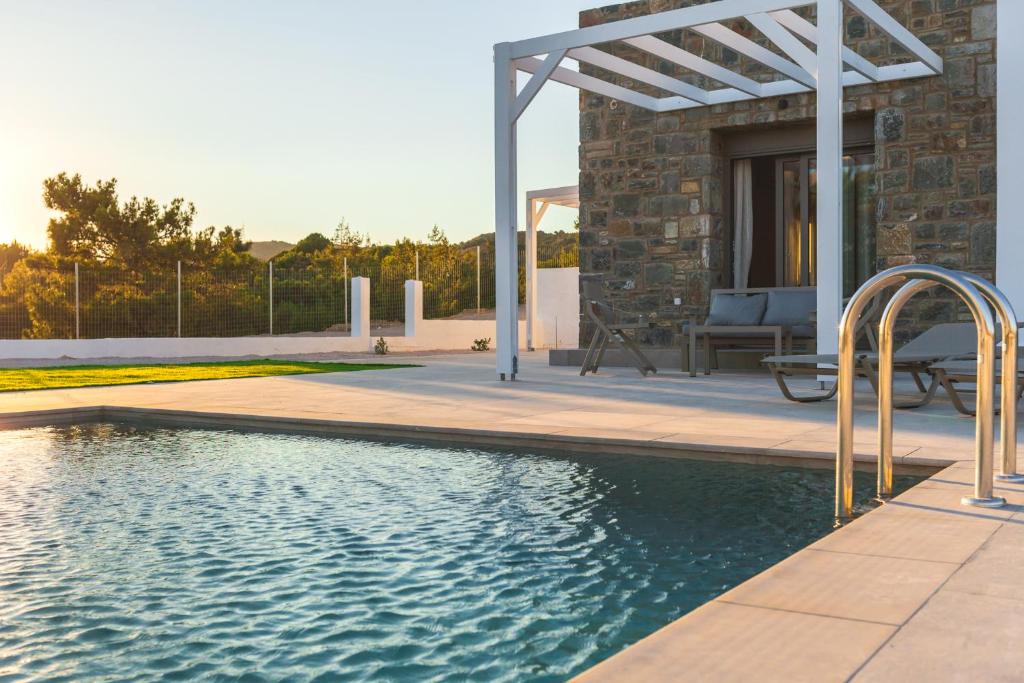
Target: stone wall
652, 222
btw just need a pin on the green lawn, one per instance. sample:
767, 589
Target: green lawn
22, 379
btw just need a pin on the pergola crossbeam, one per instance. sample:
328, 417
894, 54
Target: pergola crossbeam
642, 74
898, 32
745, 46
809, 32
688, 60
785, 41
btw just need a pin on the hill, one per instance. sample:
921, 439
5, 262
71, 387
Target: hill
268, 249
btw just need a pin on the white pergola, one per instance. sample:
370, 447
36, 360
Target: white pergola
537, 203
808, 58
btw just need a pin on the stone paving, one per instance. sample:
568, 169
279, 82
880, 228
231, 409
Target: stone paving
922, 588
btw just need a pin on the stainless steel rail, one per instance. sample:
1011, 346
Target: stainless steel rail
976, 294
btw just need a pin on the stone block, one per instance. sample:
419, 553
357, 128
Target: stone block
630, 249
890, 125
983, 243
983, 22
625, 205
658, 273
931, 173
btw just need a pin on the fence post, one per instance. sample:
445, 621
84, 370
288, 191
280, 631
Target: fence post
413, 307
478, 279
344, 287
270, 277
417, 266
78, 334
179, 299
361, 308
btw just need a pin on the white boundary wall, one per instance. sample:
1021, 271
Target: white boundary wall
558, 297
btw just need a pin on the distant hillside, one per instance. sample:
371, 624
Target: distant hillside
269, 249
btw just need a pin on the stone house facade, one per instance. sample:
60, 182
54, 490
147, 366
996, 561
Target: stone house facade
656, 189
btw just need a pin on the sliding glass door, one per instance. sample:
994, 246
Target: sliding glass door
796, 195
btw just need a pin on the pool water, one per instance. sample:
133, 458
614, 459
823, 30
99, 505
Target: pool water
142, 553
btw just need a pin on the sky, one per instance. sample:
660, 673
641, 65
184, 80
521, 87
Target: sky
278, 117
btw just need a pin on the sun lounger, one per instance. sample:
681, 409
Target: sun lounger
948, 341
950, 373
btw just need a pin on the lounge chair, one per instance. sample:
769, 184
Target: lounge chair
610, 329
948, 341
950, 373
758, 317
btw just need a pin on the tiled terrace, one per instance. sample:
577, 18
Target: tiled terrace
920, 589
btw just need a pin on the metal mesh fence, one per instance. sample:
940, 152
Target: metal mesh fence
225, 303
387, 290
39, 304
310, 301
103, 302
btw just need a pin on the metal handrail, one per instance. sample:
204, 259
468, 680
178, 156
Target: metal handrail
966, 287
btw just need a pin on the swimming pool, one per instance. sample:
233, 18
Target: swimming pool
135, 553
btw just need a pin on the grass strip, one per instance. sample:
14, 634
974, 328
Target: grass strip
71, 376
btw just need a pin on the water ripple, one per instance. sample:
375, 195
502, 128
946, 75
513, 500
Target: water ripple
131, 553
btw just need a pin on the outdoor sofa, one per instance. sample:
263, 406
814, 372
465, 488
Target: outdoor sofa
770, 318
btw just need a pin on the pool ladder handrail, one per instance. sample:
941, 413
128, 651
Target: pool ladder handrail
978, 294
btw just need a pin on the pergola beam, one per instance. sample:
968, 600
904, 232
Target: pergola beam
688, 60
590, 84
642, 74
809, 32
660, 22
737, 43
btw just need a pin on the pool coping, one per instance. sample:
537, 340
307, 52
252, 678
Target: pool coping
801, 619
517, 438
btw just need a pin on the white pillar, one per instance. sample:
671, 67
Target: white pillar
1010, 147
361, 308
413, 307
829, 255
535, 210
506, 267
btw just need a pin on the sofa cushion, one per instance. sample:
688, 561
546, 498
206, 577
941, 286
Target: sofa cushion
792, 308
737, 309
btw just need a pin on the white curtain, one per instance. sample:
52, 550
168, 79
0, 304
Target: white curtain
743, 221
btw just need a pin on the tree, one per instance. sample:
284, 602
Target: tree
11, 254
312, 243
94, 225
347, 239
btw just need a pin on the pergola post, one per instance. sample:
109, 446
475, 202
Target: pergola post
829, 252
535, 210
506, 268
1010, 147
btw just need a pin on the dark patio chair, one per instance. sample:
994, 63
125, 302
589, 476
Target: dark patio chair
611, 326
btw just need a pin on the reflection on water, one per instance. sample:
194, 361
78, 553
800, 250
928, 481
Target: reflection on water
136, 553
